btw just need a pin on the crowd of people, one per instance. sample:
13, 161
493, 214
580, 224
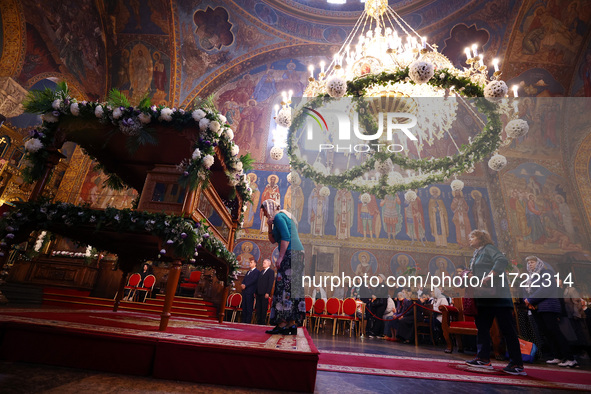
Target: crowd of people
549, 307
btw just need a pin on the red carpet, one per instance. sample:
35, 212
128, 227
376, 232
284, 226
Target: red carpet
440, 369
196, 350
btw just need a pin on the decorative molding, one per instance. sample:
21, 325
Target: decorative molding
14, 36
11, 96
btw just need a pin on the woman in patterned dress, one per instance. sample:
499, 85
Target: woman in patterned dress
287, 311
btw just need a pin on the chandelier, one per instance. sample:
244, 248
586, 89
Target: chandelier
384, 56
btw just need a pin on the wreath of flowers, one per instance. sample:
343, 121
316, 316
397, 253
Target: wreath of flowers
58, 108
180, 236
436, 170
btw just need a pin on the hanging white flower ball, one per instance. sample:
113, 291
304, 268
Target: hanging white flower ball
382, 167
283, 118
365, 198
336, 86
420, 72
208, 161
324, 191
395, 178
410, 196
276, 153
497, 162
516, 128
229, 133
457, 185
33, 145
197, 115
74, 109
496, 89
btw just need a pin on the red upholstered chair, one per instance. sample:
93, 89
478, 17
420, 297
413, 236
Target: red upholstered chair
333, 310
269, 309
309, 304
318, 312
233, 304
147, 286
132, 284
348, 314
191, 284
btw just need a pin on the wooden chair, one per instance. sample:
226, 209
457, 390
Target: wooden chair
423, 318
146, 287
455, 324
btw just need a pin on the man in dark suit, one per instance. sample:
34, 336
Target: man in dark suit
249, 287
264, 288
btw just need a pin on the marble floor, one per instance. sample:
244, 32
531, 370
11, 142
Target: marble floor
33, 378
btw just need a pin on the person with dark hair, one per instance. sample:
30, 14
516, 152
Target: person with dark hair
287, 312
544, 302
493, 301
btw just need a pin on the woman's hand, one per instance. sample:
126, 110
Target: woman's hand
278, 262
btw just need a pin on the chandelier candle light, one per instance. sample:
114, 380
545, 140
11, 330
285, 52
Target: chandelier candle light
384, 56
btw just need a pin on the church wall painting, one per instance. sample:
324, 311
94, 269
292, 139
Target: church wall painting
549, 32
581, 84
245, 251
540, 210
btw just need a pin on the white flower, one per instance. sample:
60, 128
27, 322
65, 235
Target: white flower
238, 166
74, 109
223, 119
420, 72
235, 150
198, 114
117, 113
215, 127
325, 191
229, 133
196, 154
49, 117
56, 104
98, 111
165, 114
441, 76
208, 161
204, 124
33, 145
144, 118
336, 86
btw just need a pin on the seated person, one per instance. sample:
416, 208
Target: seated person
402, 325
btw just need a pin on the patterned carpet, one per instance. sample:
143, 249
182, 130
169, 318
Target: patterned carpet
451, 370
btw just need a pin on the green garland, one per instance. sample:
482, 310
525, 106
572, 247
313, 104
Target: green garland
181, 236
480, 147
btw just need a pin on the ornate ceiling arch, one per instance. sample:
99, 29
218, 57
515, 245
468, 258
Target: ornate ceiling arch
13, 38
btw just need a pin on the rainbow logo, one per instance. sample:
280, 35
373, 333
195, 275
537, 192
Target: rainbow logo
316, 118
